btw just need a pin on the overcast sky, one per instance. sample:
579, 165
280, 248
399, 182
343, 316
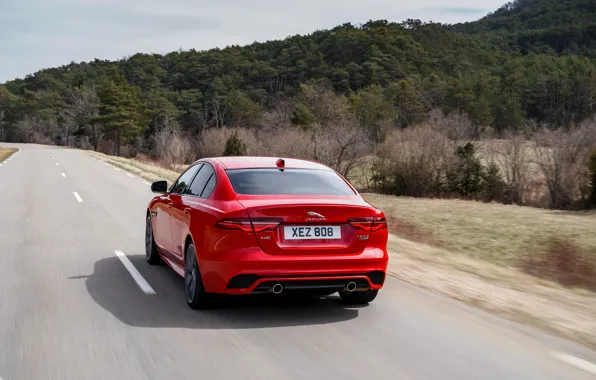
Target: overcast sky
37, 34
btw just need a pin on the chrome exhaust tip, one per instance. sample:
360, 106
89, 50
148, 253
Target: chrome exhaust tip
351, 286
277, 288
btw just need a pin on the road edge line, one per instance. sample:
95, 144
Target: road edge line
576, 362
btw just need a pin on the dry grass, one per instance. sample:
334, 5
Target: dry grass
6, 152
146, 170
499, 234
478, 253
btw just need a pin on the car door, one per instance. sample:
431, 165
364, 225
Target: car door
175, 198
161, 223
182, 207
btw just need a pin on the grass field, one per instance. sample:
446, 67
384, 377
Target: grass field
476, 252
496, 233
6, 152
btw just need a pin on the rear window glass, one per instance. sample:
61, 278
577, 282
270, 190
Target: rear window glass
287, 182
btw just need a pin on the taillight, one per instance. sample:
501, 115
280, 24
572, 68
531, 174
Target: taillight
361, 223
246, 225
379, 224
260, 225
235, 224
368, 224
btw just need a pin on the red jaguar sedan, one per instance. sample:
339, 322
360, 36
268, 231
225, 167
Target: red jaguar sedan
249, 225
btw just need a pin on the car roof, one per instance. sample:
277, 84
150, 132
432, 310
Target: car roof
252, 162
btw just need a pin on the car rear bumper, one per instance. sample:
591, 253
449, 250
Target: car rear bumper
257, 272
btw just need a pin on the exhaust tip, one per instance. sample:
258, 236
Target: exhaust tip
351, 286
277, 288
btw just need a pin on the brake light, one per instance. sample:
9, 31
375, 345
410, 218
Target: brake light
235, 224
379, 224
246, 225
361, 223
260, 225
369, 224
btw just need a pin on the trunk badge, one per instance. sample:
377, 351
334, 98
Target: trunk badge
316, 215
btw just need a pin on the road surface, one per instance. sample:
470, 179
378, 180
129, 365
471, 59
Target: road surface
70, 309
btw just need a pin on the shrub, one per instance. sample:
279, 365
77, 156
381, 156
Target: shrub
413, 162
234, 146
493, 187
466, 178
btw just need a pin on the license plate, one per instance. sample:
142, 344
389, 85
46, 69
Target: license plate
312, 232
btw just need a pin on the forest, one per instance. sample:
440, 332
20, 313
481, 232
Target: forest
343, 96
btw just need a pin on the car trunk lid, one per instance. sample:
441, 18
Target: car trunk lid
309, 225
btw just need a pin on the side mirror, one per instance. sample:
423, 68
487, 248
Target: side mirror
159, 187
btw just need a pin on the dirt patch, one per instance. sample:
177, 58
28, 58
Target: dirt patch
564, 262
407, 230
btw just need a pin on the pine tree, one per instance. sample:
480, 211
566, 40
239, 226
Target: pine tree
121, 111
235, 146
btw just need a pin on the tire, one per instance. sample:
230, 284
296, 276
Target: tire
151, 253
359, 298
196, 296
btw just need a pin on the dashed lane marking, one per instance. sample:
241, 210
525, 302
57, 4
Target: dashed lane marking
139, 279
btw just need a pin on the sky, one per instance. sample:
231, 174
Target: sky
38, 34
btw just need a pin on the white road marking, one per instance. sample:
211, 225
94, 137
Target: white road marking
130, 175
63, 175
1, 165
57, 164
77, 196
143, 284
117, 169
146, 183
576, 362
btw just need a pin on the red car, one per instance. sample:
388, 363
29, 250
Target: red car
248, 225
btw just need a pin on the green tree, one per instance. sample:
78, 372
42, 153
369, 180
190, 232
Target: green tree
302, 116
467, 177
121, 111
374, 111
242, 111
235, 146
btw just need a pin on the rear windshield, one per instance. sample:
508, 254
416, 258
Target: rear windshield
288, 182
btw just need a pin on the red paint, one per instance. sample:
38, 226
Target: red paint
243, 234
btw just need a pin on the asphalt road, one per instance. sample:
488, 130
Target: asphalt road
69, 309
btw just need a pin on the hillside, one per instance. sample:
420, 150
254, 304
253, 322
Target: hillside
540, 26
384, 74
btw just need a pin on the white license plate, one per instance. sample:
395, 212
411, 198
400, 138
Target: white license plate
312, 232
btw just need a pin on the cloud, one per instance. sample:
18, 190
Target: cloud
36, 34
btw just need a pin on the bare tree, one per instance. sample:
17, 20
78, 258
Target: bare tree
83, 107
561, 157
171, 145
414, 161
456, 126
343, 146
512, 157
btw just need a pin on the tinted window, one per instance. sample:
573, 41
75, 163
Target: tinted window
184, 180
287, 182
198, 184
209, 187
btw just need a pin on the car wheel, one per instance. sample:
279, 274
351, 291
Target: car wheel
151, 254
359, 298
196, 296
